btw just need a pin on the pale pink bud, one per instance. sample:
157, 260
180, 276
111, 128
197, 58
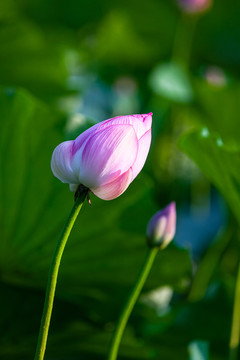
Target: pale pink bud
215, 76
194, 6
162, 226
106, 157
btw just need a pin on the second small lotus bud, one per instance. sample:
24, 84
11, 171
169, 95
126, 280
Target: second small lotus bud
194, 6
162, 227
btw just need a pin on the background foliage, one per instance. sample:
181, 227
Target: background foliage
64, 66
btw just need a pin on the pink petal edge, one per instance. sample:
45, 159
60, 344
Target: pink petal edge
143, 150
115, 188
61, 163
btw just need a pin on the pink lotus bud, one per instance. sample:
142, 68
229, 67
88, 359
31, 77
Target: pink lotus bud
162, 226
194, 6
106, 157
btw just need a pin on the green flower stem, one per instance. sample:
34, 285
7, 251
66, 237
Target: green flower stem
53, 274
182, 45
133, 296
235, 331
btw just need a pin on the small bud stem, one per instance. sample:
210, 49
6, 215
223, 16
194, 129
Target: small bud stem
235, 330
133, 296
53, 274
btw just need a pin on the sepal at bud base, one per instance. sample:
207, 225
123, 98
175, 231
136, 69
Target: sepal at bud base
162, 227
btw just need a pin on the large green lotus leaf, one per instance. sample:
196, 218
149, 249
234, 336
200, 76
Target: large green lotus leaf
220, 109
218, 162
30, 59
20, 311
107, 246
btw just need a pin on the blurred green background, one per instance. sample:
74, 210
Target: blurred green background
65, 65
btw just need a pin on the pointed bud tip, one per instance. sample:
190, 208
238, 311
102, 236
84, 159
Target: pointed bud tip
162, 226
145, 116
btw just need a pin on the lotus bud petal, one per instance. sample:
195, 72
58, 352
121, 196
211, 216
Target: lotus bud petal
106, 157
194, 6
162, 226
